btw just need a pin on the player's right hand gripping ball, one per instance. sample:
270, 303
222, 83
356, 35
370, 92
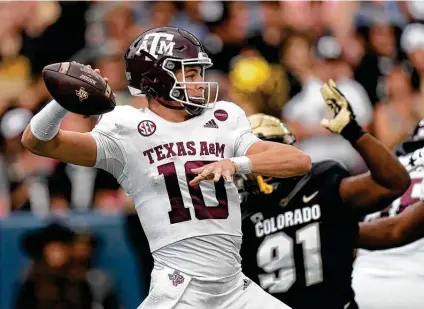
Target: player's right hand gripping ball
343, 122
78, 88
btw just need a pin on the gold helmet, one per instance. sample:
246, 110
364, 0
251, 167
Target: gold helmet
270, 128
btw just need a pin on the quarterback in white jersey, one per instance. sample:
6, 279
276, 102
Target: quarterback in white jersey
393, 277
176, 160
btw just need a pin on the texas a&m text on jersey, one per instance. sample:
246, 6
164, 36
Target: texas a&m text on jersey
176, 159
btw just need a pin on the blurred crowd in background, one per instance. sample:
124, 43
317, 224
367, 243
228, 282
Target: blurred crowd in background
269, 57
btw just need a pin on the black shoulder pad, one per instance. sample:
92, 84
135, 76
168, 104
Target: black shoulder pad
326, 167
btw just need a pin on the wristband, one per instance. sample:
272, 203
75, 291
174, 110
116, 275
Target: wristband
46, 124
352, 132
243, 165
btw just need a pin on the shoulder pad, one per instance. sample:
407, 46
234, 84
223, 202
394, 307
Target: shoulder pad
108, 122
332, 167
226, 105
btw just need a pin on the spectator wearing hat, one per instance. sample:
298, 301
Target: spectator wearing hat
51, 282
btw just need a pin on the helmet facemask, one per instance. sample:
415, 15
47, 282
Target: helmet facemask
179, 91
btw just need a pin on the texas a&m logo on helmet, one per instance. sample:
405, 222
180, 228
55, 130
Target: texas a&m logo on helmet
159, 43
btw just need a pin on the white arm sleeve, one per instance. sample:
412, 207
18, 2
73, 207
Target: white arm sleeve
110, 150
244, 136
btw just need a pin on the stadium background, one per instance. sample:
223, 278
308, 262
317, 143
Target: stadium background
269, 57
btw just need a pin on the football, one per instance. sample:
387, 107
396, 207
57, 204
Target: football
78, 88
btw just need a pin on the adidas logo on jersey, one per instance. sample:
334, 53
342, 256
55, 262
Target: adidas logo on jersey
211, 124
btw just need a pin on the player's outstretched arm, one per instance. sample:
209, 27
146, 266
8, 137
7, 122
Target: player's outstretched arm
262, 158
278, 160
44, 137
252, 155
395, 231
386, 180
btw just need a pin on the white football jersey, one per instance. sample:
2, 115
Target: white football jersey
196, 229
405, 261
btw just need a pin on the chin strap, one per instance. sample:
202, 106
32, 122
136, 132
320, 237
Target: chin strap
165, 104
193, 111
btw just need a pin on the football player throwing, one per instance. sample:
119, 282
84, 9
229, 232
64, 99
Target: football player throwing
176, 160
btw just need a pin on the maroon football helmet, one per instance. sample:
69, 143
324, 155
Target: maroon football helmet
152, 60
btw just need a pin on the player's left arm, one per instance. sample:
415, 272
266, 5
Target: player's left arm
386, 180
278, 160
391, 232
252, 155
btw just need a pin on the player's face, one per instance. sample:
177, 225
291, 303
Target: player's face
194, 80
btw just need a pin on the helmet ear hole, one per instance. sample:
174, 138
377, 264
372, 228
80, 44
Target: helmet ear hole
170, 65
176, 93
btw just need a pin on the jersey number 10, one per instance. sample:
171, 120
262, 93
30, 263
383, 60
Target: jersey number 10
180, 212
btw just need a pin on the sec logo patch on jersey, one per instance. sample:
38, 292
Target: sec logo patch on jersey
146, 127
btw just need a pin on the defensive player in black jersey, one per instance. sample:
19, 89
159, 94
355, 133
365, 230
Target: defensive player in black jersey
299, 233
